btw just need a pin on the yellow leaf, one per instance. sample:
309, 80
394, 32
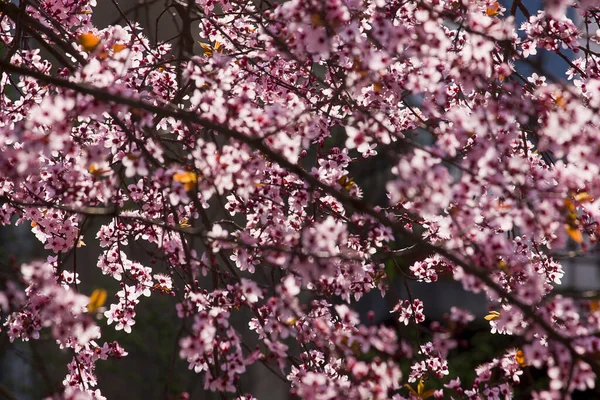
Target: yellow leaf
411, 390
88, 41
560, 100
420, 386
574, 233
161, 289
503, 265
569, 205
492, 316
95, 171
118, 47
209, 50
347, 182
188, 179
136, 115
97, 299
316, 20
492, 9
583, 197
520, 358
420, 393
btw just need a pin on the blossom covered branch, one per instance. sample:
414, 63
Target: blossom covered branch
231, 162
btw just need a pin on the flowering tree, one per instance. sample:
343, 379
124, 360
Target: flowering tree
232, 166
